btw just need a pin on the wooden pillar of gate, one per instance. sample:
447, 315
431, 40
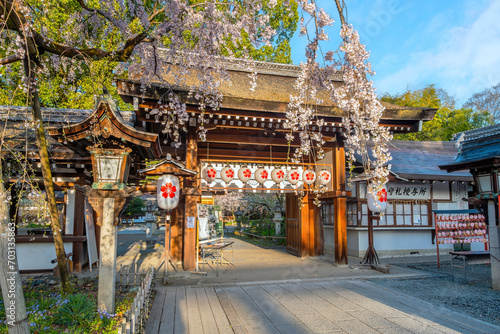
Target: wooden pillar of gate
191, 194
339, 206
310, 232
176, 233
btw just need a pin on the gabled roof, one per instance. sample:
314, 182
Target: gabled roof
479, 148
167, 166
106, 123
420, 160
275, 84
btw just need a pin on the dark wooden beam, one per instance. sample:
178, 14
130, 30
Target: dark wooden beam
261, 140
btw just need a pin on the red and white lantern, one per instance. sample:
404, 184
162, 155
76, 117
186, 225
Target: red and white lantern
309, 176
167, 192
324, 177
377, 203
244, 174
293, 176
261, 175
227, 174
278, 175
209, 174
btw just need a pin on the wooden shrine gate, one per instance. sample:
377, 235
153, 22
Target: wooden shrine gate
293, 229
249, 127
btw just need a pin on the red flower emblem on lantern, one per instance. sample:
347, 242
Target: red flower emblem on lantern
294, 176
382, 195
230, 173
264, 174
325, 176
309, 176
168, 190
247, 173
211, 173
280, 174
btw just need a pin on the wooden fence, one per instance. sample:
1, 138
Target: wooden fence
130, 276
134, 320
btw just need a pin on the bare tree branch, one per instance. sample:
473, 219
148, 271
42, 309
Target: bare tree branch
97, 11
341, 14
10, 59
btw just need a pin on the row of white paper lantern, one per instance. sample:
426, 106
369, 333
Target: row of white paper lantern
262, 175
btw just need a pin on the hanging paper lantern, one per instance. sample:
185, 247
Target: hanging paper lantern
293, 176
227, 174
261, 175
167, 191
278, 175
209, 173
244, 174
324, 176
377, 203
309, 176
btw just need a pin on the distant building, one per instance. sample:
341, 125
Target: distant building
416, 187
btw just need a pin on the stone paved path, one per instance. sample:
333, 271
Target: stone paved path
314, 306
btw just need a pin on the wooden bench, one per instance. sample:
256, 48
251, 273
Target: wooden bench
469, 257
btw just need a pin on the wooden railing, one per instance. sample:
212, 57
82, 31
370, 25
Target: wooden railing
134, 320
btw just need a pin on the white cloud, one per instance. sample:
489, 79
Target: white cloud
465, 60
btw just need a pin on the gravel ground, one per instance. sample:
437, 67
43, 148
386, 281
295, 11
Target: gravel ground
447, 287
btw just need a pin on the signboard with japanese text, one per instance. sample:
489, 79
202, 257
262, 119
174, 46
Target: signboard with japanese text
404, 191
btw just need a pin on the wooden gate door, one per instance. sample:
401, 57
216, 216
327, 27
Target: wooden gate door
293, 226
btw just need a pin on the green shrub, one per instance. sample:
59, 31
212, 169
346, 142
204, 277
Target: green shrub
79, 310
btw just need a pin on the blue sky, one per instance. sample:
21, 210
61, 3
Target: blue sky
454, 44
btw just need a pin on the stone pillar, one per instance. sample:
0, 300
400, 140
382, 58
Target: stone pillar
107, 264
494, 234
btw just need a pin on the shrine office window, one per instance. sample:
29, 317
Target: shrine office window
352, 213
401, 213
326, 213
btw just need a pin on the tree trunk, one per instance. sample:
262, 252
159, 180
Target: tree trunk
10, 280
62, 263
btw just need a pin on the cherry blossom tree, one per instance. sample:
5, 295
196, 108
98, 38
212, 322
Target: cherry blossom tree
230, 202
184, 38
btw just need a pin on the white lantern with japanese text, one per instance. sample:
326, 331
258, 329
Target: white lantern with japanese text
293, 176
309, 176
278, 175
167, 191
261, 175
324, 177
377, 203
227, 174
244, 174
209, 173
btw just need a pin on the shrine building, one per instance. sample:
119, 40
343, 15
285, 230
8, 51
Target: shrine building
246, 132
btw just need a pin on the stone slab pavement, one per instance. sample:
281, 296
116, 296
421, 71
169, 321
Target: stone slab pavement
302, 306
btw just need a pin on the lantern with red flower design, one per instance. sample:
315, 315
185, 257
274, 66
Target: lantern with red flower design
227, 174
167, 192
261, 175
377, 203
324, 176
244, 174
309, 176
278, 175
293, 176
209, 173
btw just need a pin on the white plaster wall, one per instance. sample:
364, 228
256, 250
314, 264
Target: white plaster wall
353, 243
329, 237
37, 256
391, 242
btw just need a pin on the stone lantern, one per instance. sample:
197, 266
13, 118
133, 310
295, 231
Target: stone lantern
278, 218
150, 218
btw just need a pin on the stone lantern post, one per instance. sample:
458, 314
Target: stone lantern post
150, 219
278, 218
